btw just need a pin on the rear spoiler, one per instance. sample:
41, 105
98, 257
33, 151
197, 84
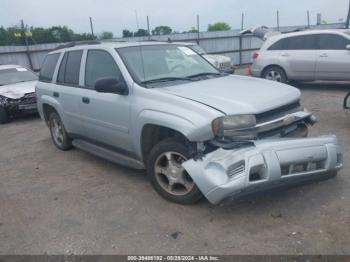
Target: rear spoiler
261, 32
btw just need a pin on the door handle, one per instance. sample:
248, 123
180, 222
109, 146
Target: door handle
324, 55
56, 94
86, 100
285, 55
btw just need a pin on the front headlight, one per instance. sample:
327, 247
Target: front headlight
221, 124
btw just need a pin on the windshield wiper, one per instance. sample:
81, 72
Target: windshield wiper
207, 74
167, 79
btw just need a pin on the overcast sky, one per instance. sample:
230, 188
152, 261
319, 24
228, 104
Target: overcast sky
116, 15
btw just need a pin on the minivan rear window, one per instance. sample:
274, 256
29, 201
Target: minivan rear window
48, 67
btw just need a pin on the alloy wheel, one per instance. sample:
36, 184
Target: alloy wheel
170, 174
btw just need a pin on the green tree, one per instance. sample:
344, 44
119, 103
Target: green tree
12, 39
62, 34
15, 35
162, 30
141, 32
193, 30
127, 33
219, 26
42, 35
106, 35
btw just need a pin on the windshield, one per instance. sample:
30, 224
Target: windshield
16, 75
147, 63
197, 49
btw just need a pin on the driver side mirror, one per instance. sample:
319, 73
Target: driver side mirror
111, 85
347, 47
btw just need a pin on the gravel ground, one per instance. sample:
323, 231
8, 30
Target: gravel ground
70, 202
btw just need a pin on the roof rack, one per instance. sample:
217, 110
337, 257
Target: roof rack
72, 44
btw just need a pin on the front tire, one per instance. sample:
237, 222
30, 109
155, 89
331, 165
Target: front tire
4, 116
58, 132
275, 73
168, 177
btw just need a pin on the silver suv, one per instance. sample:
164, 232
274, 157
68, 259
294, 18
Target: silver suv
305, 56
197, 131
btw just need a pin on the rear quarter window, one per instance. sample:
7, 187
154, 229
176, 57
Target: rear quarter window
48, 67
70, 68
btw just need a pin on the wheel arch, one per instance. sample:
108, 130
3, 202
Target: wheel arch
47, 110
273, 65
152, 134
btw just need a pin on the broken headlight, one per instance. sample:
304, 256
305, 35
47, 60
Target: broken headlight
222, 124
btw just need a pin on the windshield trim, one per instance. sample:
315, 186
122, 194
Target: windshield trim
132, 74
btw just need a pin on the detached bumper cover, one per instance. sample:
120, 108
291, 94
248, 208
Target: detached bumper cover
269, 164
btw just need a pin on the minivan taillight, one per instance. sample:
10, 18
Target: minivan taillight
255, 55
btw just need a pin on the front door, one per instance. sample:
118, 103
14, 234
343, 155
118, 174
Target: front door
333, 59
106, 116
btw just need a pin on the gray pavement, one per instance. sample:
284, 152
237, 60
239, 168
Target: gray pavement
70, 202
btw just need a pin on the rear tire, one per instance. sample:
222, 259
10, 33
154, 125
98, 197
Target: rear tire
58, 132
168, 177
4, 116
275, 73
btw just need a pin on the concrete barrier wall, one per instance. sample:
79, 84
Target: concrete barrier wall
228, 43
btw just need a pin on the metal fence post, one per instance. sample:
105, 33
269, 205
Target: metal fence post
198, 29
240, 49
148, 29
27, 45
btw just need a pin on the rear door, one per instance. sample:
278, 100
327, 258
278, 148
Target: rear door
333, 59
298, 56
106, 116
67, 90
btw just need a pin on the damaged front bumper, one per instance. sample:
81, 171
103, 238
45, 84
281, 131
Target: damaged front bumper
224, 174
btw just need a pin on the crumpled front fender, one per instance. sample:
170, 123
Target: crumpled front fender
269, 164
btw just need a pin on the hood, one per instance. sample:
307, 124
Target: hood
18, 90
218, 58
233, 95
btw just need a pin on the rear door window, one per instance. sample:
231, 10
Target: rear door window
48, 67
304, 42
70, 68
333, 42
100, 64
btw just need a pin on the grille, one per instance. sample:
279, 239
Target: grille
29, 98
277, 112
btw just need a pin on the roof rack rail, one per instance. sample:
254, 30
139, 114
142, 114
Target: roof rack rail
72, 44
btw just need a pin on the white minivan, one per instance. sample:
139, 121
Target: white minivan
304, 56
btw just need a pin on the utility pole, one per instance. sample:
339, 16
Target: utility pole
348, 19
308, 19
242, 22
278, 21
149, 32
92, 28
197, 29
24, 31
